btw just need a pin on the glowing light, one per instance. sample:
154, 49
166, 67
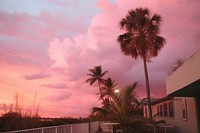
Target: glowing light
116, 91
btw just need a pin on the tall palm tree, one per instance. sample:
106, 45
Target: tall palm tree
141, 39
96, 75
123, 109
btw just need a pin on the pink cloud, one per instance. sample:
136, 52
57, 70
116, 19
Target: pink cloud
27, 36
38, 28
36, 76
58, 97
55, 86
104, 50
58, 50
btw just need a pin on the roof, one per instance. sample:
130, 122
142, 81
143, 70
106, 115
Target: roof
191, 90
158, 100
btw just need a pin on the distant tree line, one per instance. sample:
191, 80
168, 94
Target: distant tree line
12, 121
16, 118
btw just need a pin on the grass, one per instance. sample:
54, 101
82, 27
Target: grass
17, 118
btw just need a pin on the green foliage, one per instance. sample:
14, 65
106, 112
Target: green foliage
141, 39
61, 121
96, 74
179, 62
15, 121
141, 34
107, 89
123, 107
18, 118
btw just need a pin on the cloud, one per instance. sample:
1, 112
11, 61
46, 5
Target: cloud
58, 97
36, 76
27, 38
64, 3
102, 48
55, 86
69, 104
58, 51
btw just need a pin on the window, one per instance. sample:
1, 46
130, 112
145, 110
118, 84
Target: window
171, 109
166, 109
145, 111
158, 110
161, 110
184, 109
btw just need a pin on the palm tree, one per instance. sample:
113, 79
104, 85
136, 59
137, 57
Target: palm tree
123, 109
141, 39
96, 75
179, 62
108, 87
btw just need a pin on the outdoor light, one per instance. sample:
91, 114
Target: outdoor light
116, 90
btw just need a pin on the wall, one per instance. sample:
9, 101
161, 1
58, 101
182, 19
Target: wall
184, 75
182, 126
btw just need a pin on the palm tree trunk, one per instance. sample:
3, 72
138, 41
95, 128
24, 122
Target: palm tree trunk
99, 88
100, 91
147, 87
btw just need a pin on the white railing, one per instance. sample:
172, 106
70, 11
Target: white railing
91, 127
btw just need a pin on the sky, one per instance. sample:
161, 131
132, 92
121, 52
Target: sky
47, 47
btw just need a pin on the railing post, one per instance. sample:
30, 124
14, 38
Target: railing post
89, 127
56, 130
71, 129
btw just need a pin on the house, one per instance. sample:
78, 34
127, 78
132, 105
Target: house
181, 106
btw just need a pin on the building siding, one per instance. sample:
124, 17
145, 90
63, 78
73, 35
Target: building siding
182, 126
185, 74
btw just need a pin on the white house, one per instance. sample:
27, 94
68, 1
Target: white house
181, 106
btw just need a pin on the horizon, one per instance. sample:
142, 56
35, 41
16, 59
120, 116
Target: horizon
47, 47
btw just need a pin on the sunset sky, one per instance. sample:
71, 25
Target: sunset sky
47, 47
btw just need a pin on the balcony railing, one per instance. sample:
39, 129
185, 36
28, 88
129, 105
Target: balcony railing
91, 127
150, 128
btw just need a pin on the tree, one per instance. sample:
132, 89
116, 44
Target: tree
141, 39
179, 62
108, 88
96, 75
15, 121
124, 109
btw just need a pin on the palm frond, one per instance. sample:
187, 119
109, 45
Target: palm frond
156, 18
99, 110
109, 84
91, 81
122, 23
121, 108
141, 34
92, 75
158, 45
104, 73
179, 62
139, 103
126, 44
96, 74
123, 37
